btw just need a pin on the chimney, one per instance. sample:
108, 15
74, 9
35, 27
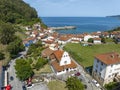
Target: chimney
112, 55
118, 55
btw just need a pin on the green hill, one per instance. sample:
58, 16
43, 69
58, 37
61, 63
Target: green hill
18, 12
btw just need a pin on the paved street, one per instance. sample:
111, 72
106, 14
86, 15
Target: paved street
40, 86
15, 83
86, 78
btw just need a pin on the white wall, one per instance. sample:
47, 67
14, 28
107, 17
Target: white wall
97, 42
87, 37
65, 58
107, 71
111, 70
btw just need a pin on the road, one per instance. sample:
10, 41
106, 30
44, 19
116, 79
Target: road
86, 78
15, 83
39, 86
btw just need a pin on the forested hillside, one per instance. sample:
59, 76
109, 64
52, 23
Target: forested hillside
14, 14
17, 11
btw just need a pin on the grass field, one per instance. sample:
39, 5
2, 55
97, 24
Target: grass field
45, 69
57, 85
84, 55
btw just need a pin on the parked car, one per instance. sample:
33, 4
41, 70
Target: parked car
96, 83
77, 74
30, 85
11, 78
85, 86
24, 87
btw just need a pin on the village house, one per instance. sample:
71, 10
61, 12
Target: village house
86, 37
46, 53
34, 33
76, 38
105, 34
61, 62
54, 46
28, 41
28, 28
37, 26
63, 40
97, 40
96, 34
106, 67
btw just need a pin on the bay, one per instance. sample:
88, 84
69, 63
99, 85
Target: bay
83, 24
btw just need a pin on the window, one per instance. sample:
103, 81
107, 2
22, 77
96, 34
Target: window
97, 61
111, 65
96, 71
96, 66
110, 71
65, 62
109, 76
101, 63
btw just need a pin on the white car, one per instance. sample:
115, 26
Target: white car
96, 83
30, 85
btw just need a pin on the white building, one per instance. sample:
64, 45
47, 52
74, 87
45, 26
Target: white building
64, 40
86, 37
97, 40
106, 67
61, 62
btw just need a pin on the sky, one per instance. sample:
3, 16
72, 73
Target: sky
77, 8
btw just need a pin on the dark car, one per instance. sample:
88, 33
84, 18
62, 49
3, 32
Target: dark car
11, 78
77, 74
24, 87
85, 86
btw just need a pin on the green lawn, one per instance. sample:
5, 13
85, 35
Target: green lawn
84, 55
45, 69
57, 85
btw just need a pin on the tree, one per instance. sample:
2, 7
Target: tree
103, 40
6, 33
1, 56
73, 83
23, 69
40, 63
90, 40
15, 47
111, 86
35, 49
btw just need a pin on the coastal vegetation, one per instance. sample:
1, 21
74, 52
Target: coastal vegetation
23, 69
1, 56
14, 15
111, 86
35, 49
115, 29
73, 83
84, 55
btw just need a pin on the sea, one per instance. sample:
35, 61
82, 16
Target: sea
83, 24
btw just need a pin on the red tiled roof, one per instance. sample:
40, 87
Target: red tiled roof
49, 41
109, 58
58, 54
58, 68
97, 39
28, 39
46, 52
64, 38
